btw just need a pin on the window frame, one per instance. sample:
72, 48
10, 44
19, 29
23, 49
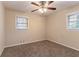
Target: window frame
67, 21
26, 23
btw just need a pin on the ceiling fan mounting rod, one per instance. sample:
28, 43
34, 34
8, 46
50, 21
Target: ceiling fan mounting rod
42, 4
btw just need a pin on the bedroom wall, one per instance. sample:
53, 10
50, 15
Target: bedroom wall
2, 35
35, 32
57, 30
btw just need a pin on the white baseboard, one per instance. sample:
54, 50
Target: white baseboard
64, 44
23, 43
1, 51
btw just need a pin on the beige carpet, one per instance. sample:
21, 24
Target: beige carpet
40, 49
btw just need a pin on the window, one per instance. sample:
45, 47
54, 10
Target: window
21, 23
73, 21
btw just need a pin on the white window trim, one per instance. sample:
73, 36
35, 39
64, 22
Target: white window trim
67, 21
27, 24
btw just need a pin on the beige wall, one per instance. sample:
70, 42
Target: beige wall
1, 28
36, 31
58, 32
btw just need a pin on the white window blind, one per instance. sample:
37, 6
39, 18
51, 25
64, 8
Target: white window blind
21, 23
73, 21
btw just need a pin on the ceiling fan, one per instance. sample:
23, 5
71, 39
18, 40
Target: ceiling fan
42, 6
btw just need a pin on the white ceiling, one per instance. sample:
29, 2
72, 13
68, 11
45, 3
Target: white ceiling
26, 5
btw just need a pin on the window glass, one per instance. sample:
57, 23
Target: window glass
73, 21
21, 23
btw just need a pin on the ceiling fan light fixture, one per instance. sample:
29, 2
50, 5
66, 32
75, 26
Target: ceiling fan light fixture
43, 10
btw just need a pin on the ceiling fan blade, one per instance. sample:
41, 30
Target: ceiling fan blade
35, 4
34, 10
51, 8
50, 2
